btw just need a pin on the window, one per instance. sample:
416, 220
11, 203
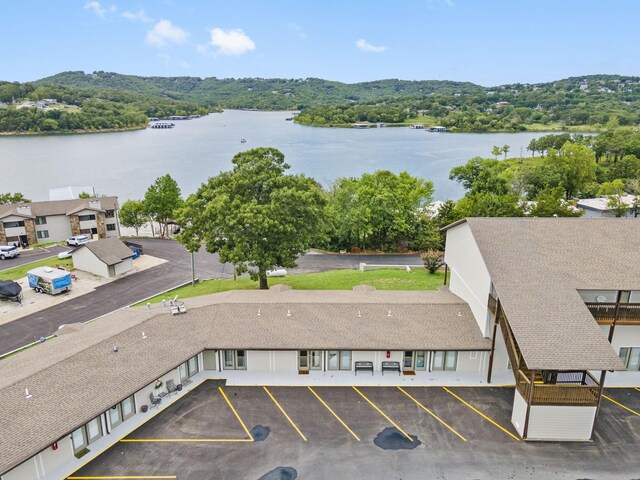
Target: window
234, 359
14, 224
94, 430
43, 233
421, 360
631, 357
309, 360
85, 218
41, 220
109, 213
86, 435
120, 412
189, 368
339, 360
79, 440
444, 361
111, 227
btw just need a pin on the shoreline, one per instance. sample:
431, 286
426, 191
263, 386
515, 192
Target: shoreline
70, 132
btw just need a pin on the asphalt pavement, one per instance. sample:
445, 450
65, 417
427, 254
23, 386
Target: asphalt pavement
138, 286
37, 253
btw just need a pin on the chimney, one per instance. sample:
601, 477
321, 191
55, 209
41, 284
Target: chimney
95, 203
24, 210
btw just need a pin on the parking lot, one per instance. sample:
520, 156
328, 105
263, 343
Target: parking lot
271, 433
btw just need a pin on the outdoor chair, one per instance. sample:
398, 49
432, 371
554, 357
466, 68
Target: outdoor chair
171, 387
155, 401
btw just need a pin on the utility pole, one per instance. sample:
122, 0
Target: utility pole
193, 270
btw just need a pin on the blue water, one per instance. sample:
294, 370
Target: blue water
126, 163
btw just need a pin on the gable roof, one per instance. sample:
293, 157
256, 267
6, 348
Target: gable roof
60, 207
64, 375
537, 266
110, 251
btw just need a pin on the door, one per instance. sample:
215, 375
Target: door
303, 361
209, 359
409, 362
24, 240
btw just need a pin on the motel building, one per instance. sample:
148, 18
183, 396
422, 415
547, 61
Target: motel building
551, 306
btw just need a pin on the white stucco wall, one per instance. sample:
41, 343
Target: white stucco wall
285, 361
58, 226
125, 266
623, 336
85, 260
519, 412
469, 278
52, 459
13, 231
25, 471
260, 360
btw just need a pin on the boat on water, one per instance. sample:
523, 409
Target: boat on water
289, 119
162, 125
243, 141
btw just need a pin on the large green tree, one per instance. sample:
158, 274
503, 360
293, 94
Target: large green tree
255, 215
133, 214
9, 198
575, 164
162, 200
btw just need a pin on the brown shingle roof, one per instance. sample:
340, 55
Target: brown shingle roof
108, 250
77, 376
537, 266
61, 207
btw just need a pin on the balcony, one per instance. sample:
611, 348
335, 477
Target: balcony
619, 313
571, 388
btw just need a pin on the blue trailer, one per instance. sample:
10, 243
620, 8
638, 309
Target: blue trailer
49, 280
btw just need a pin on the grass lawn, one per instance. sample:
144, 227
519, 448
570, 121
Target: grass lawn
385, 279
426, 119
21, 271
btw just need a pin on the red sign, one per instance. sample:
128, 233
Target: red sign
54, 446
388, 354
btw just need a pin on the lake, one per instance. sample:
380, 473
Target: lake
126, 163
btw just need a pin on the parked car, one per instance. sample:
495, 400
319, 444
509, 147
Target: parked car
63, 255
8, 251
277, 272
77, 240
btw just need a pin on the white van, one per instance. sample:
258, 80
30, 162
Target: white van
77, 240
8, 251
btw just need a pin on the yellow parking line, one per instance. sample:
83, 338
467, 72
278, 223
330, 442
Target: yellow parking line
637, 388
621, 405
482, 414
432, 414
285, 414
192, 440
236, 414
384, 415
333, 413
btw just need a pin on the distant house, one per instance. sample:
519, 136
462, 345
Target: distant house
55, 221
599, 207
105, 258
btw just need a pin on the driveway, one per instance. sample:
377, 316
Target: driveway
135, 287
38, 253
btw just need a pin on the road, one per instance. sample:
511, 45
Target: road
133, 288
34, 255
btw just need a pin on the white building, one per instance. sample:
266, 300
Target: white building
599, 207
106, 258
555, 301
55, 221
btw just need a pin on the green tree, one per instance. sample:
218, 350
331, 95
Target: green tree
162, 200
10, 198
255, 215
617, 206
505, 150
576, 166
615, 187
133, 214
486, 204
496, 151
482, 175
551, 203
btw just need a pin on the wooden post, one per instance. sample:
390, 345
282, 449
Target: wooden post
493, 342
446, 270
603, 373
615, 316
525, 431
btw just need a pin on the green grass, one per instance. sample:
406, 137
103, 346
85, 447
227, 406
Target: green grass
385, 279
21, 271
425, 119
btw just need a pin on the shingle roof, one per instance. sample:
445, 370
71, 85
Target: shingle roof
108, 250
67, 375
537, 266
60, 207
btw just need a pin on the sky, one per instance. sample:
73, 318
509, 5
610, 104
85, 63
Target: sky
488, 42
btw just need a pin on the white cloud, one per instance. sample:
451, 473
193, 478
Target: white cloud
166, 59
139, 16
184, 64
164, 33
231, 42
96, 7
367, 47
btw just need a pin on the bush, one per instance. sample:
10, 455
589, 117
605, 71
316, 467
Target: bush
432, 260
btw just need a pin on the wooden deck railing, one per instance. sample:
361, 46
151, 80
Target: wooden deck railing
605, 313
570, 394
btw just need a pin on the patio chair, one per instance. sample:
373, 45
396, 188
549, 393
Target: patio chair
155, 401
171, 387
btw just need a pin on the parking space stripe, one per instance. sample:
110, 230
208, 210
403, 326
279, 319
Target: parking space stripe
236, 414
333, 413
482, 414
637, 388
621, 405
432, 414
384, 414
193, 440
285, 414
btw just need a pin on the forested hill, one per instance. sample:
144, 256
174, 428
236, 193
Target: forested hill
261, 93
589, 103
